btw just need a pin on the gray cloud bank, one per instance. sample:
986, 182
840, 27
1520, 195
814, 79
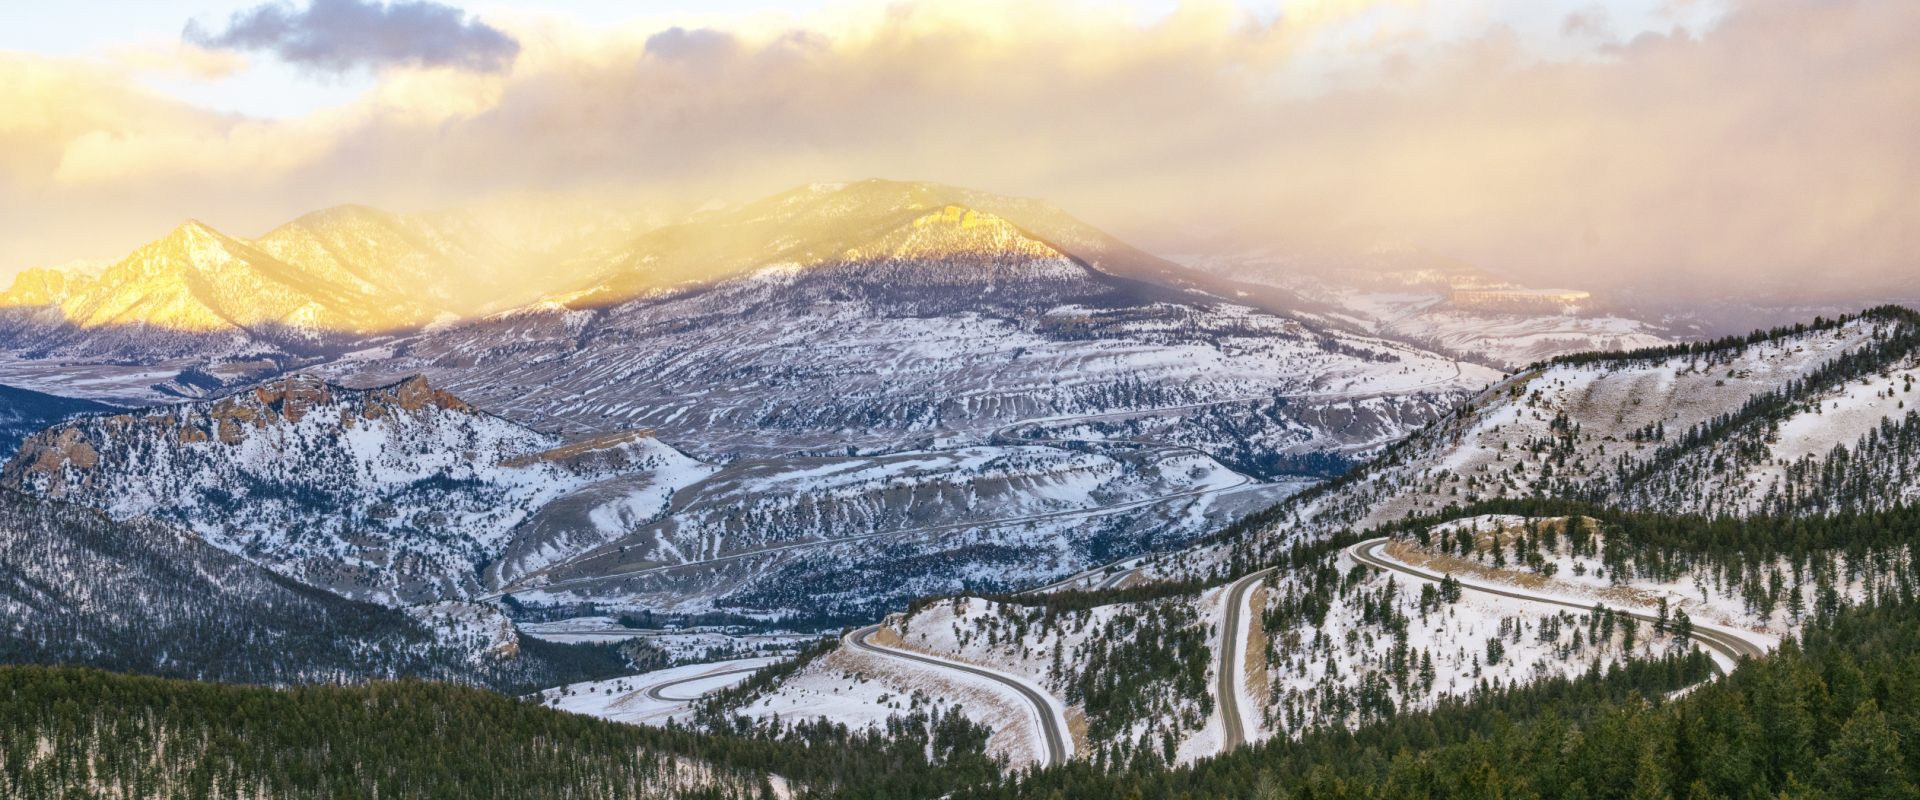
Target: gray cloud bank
339, 35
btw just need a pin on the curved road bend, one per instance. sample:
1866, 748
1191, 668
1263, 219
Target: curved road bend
1725, 643
1052, 728
654, 692
1231, 660
1107, 582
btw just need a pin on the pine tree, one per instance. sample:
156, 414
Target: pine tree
1866, 761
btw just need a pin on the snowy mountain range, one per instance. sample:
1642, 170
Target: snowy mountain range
890, 388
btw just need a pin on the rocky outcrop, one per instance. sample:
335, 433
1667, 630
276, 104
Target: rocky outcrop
63, 459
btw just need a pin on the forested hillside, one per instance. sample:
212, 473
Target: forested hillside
1831, 714
127, 737
77, 587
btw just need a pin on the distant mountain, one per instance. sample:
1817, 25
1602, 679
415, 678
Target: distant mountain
877, 314
823, 223
331, 277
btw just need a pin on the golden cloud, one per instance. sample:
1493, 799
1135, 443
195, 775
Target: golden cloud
1780, 140
176, 59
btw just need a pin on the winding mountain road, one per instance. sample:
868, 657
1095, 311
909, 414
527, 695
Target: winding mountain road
1731, 644
654, 692
1232, 659
1052, 727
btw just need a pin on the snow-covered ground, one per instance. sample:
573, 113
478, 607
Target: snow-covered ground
862, 689
1701, 593
1320, 675
1032, 512
681, 646
632, 699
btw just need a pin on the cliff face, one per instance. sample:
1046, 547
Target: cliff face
397, 494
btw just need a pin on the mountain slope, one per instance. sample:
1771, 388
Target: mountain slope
1776, 430
899, 331
397, 494
1742, 426
199, 291
77, 587
1445, 303
874, 322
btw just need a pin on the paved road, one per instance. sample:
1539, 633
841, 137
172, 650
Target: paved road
1231, 660
654, 692
1052, 728
1107, 582
1726, 643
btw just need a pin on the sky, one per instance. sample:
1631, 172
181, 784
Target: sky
1697, 146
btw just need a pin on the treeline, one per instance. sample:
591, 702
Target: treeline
65, 730
1870, 476
1832, 715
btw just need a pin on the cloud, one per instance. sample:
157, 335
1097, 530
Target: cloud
699, 44
339, 35
177, 59
1772, 149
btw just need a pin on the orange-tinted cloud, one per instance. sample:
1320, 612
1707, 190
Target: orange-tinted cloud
1774, 146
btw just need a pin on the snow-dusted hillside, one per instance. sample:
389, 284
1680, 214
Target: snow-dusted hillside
1004, 393
406, 494
806, 535
1743, 429
143, 596
1337, 641
399, 494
